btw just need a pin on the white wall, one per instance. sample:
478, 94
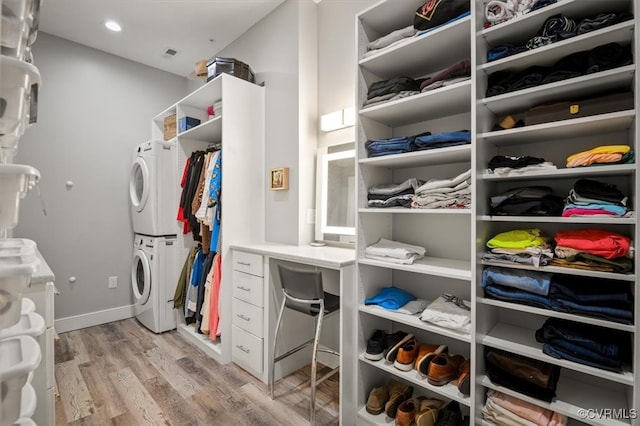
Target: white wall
94, 108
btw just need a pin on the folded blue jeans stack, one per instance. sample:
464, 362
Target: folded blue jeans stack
585, 344
422, 141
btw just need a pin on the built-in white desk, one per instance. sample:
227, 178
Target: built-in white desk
257, 293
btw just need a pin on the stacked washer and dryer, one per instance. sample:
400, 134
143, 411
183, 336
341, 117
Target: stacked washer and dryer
154, 204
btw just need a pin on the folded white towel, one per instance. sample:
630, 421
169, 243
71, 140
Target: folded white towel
394, 249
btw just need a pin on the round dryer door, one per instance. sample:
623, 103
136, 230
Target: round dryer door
141, 277
139, 184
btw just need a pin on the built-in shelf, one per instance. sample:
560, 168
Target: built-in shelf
522, 341
593, 171
548, 55
427, 157
449, 391
442, 102
205, 95
413, 321
576, 88
400, 59
555, 314
209, 131
380, 419
575, 399
574, 128
557, 219
402, 210
565, 271
202, 342
436, 266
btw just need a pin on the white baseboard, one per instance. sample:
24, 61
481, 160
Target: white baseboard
77, 322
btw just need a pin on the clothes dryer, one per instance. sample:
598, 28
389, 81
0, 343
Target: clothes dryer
154, 274
153, 189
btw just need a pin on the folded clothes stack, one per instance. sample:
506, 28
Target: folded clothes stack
450, 312
594, 198
460, 71
599, 298
419, 142
505, 165
593, 249
525, 246
585, 344
605, 154
392, 89
601, 58
394, 252
530, 377
444, 193
502, 409
526, 201
398, 300
392, 194
498, 11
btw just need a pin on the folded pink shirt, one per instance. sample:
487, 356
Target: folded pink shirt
526, 410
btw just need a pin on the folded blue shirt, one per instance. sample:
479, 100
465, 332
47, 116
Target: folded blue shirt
390, 298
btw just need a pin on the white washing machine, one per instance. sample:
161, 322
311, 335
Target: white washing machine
153, 189
154, 275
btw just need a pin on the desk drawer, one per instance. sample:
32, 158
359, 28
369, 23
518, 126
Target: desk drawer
247, 262
247, 349
248, 288
248, 317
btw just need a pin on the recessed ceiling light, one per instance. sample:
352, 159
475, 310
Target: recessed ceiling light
113, 26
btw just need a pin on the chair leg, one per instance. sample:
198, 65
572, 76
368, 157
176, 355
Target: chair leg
314, 366
275, 343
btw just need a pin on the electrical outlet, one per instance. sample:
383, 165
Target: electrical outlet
113, 282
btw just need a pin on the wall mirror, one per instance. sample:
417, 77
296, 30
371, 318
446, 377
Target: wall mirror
335, 195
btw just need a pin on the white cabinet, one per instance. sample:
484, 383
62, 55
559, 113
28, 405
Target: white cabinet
239, 131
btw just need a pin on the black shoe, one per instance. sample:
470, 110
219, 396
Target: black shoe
451, 415
376, 346
393, 343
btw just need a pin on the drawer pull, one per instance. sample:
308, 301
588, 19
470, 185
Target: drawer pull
243, 288
244, 263
243, 317
243, 349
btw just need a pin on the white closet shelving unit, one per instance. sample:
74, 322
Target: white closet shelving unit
239, 129
455, 240
510, 326
445, 233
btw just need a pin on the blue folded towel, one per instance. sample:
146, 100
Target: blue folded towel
390, 298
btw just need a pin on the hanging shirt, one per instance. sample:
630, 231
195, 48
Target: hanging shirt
215, 190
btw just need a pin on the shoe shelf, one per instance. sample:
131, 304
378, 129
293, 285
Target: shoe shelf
575, 172
570, 422
577, 127
400, 59
371, 419
429, 157
578, 87
404, 210
558, 219
574, 399
566, 271
621, 33
449, 391
442, 102
413, 321
436, 266
530, 23
555, 314
520, 340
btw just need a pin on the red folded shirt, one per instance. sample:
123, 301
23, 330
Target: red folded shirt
595, 241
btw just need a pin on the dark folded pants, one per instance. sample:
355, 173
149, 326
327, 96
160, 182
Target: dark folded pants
597, 190
394, 85
513, 162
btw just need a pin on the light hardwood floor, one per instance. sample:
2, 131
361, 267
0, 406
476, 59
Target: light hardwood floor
123, 374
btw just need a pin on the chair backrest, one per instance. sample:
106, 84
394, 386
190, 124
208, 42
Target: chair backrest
301, 284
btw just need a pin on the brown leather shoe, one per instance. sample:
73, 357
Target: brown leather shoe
378, 397
425, 355
464, 378
429, 411
406, 412
443, 368
406, 355
398, 393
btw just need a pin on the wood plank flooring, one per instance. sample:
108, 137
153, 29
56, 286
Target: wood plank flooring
123, 374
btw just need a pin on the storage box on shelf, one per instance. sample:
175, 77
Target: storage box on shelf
446, 268
509, 325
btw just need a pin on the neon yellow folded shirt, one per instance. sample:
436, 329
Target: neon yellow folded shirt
585, 158
518, 239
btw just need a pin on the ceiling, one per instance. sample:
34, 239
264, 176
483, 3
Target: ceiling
196, 29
